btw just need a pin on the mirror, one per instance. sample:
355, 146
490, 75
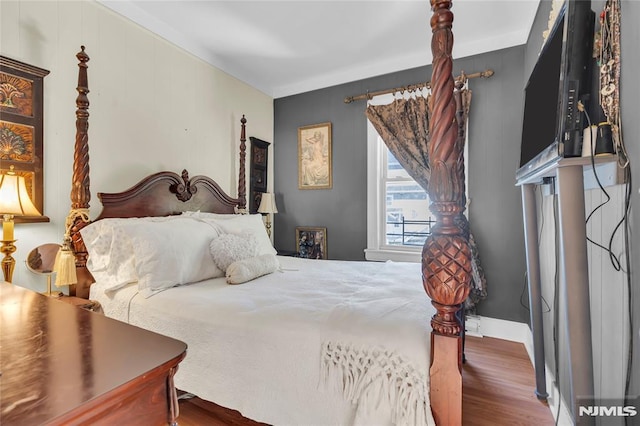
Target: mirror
40, 261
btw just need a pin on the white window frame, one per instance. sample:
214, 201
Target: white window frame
377, 249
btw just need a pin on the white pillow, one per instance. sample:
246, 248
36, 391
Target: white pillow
242, 224
248, 269
228, 248
172, 253
111, 258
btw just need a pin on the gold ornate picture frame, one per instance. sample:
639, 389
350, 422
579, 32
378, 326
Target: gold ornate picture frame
314, 157
311, 242
21, 127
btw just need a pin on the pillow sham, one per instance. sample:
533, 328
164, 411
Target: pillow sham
112, 256
171, 253
111, 260
251, 268
229, 248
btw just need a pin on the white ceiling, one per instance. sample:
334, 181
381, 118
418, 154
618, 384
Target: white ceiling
288, 47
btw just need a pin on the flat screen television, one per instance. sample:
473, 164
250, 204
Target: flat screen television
552, 124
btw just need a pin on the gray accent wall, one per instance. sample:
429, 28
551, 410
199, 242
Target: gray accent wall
494, 138
494, 151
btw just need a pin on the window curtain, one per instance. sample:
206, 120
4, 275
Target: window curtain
403, 125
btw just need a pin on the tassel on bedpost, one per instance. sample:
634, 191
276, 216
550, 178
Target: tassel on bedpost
65, 263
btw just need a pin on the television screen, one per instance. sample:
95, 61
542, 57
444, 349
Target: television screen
552, 124
541, 107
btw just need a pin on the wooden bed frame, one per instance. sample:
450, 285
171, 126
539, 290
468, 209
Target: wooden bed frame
446, 254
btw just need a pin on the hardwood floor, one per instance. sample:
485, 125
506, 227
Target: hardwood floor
498, 386
498, 389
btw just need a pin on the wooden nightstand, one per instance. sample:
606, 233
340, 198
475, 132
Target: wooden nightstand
90, 305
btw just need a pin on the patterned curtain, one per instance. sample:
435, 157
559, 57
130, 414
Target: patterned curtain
403, 125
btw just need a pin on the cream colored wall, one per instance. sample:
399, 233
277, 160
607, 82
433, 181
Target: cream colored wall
152, 107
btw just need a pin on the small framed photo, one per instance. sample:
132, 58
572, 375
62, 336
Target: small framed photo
314, 157
311, 242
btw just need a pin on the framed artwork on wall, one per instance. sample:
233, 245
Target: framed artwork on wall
314, 157
311, 242
21, 128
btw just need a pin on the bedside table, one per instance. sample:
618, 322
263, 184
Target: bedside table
289, 253
90, 305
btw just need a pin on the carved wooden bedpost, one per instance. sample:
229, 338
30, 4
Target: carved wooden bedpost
80, 190
242, 178
446, 256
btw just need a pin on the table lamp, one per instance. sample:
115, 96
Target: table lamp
268, 207
14, 201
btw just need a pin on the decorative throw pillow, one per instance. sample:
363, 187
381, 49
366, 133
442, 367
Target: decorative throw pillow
242, 224
229, 248
248, 269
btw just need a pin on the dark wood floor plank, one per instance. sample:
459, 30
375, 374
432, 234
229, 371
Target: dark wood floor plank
498, 389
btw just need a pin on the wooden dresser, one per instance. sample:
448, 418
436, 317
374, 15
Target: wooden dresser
60, 364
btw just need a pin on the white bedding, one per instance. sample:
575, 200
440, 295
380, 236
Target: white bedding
288, 348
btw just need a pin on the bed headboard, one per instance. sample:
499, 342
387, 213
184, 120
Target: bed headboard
161, 194
167, 193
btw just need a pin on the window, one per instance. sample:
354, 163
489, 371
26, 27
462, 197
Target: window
398, 219
406, 208
398, 216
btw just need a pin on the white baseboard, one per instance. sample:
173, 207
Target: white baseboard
500, 329
513, 331
562, 417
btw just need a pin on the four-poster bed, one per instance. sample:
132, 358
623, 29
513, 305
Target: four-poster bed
445, 265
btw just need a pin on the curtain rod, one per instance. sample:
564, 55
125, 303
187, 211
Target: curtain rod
484, 74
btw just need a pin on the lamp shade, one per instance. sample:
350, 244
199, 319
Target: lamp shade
14, 198
268, 203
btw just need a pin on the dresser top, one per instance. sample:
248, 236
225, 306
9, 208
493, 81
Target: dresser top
55, 357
